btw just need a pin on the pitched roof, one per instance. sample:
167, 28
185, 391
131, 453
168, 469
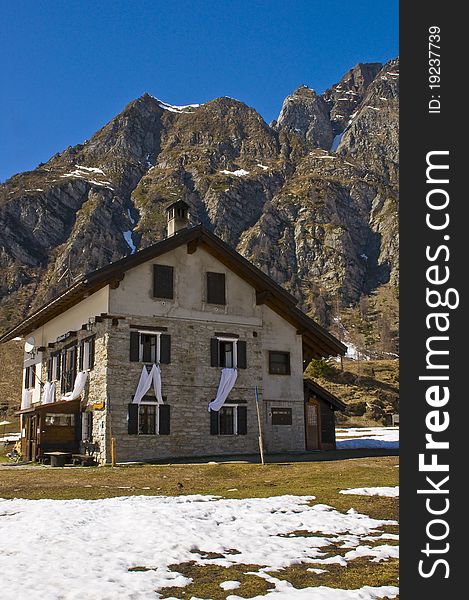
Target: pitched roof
314, 388
316, 340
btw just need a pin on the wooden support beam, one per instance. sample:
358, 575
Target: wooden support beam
263, 297
192, 245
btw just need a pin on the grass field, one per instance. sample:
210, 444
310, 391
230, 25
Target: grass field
323, 480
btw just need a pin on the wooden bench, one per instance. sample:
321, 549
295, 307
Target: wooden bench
58, 459
87, 459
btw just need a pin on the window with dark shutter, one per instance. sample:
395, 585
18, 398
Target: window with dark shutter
213, 422
86, 356
165, 348
147, 419
163, 281
226, 353
91, 358
164, 419
214, 353
132, 424
80, 356
279, 363
148, 345
134, 346
58, 358
242, 420
69, 368
226, 420
216, 288
50, 373
242, 355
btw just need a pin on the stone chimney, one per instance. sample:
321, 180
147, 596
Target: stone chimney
177, 215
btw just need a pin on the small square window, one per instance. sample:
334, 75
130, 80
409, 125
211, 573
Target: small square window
279, 363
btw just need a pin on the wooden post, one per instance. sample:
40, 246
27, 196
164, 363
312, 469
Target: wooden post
113, 451
113, 439
261, 444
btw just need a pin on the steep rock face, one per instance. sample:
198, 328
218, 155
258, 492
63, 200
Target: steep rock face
372, 138
322, 223
346, 96
306, 114
315, 236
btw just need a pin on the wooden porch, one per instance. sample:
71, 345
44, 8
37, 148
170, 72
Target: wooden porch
54, 427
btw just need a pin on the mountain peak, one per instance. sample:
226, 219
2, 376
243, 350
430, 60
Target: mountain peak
304, 91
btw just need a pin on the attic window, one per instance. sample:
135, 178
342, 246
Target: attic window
216, 288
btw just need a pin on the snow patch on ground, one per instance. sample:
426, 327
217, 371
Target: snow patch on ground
10, 437
82, 172
174, 108
336, 141
388, 492
373, 437
131, 219
230, 585
128, 238
71, 549
237, 173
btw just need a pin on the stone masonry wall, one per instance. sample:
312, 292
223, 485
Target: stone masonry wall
95, 388
188, 383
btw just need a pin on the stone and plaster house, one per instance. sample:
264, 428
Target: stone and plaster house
193, 306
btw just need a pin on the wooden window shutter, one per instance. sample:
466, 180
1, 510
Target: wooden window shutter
165, 348
133, 419
80, 356
163, 281
49, 369
164, 419
242, 420
26, 377
134, 346
213, 422
214, 352
242, 354
92, 353
59, 364
216, 288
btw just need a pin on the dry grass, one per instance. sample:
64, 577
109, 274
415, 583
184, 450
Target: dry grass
320, 479
207, 579
323, 480
350, 577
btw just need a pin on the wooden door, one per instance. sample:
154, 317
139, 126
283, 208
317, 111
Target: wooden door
30, 447
35, 436
312, 425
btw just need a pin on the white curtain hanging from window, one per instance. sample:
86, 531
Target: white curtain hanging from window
25, 400
227, 381
145, 383
48, 393
78, 387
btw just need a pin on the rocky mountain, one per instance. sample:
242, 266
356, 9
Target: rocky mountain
310, 199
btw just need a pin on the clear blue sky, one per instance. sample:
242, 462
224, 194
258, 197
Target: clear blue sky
70, 66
